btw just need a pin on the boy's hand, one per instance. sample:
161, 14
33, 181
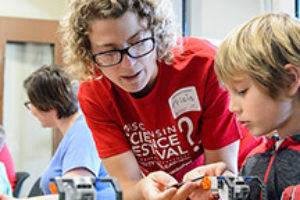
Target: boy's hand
215, 169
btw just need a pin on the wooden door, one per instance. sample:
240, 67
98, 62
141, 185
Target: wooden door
28, 30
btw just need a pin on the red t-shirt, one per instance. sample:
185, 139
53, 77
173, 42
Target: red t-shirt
6, 158
168, 128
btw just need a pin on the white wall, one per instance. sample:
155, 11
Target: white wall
213, 19
35, 9
177, 6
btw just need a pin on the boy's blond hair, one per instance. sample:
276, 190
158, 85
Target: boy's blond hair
75, 28
261, 48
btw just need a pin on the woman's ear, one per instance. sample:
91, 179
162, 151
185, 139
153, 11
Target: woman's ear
294, 73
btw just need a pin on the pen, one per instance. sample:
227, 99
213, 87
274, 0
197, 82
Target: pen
182, 183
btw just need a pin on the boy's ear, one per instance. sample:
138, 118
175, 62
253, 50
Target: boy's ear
294, 72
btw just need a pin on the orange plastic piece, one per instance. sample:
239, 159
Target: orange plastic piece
206, 183
53, 188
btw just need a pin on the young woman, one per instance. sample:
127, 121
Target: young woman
151, 106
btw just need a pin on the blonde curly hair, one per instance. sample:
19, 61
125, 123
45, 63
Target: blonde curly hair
75, 28
261, 48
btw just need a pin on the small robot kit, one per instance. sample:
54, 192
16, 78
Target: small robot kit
230, 188
84, 188
87, 188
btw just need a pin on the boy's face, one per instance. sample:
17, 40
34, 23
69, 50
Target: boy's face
256, 110
131, 74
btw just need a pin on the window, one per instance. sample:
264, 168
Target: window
297, 10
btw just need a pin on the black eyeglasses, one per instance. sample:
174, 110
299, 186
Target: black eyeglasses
114, 57
27, 104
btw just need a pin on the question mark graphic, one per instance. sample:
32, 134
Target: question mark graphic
189, 123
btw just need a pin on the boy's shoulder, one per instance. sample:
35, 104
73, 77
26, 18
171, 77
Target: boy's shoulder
268, 146
261, 148
292, 142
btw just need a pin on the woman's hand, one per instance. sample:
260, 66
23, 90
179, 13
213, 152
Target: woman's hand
214, 169
157, 186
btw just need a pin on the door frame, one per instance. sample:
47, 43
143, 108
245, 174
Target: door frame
28, 30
